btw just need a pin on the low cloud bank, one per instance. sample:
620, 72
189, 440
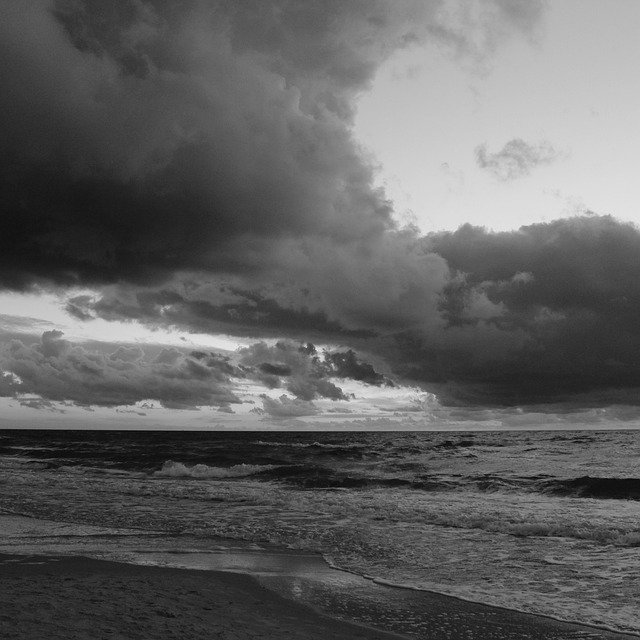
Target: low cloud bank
56, 370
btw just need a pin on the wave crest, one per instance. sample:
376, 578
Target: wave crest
172, 469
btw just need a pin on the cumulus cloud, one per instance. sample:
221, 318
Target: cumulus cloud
565, 297
58, 370
290, 364
304, 372
286, 407
516, 159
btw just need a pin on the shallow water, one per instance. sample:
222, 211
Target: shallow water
544, 522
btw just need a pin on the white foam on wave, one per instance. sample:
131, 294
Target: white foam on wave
504, 600
172, 469
507, 606
308, 445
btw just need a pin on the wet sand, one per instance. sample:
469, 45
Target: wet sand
66, 598
82, 599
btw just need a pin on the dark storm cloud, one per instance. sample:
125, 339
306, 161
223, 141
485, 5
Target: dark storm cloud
275, 369
322, 292
548, 312
213, 308
346, 365
516, 159
142, 138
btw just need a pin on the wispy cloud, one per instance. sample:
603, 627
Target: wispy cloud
516, 159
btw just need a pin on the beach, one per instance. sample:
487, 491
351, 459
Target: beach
80, 598
493, 535
72, 598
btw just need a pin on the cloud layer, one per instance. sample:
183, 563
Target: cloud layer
305, 373
285, 407
54, 369
194, 163
545, 312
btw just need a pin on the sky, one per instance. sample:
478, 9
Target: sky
568, 86
365, 214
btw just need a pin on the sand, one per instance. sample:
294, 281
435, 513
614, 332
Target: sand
63, 598
82, 599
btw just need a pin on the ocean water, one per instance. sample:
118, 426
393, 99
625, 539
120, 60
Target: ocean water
546, 522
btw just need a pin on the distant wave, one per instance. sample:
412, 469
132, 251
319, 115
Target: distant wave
171, 469
310, 445
390, 448
595, 487
451, 444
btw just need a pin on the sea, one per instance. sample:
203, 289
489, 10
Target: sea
546, 522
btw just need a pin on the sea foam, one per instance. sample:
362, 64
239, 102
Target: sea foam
171, 469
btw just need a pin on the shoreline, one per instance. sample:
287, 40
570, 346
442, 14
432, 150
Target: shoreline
238, 557
509, 610
595, 627
62, 597
76, 597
